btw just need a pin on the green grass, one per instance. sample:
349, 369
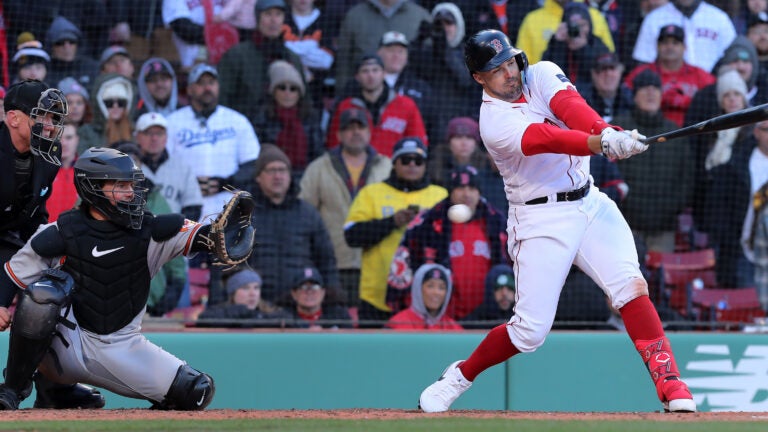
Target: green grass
419, 425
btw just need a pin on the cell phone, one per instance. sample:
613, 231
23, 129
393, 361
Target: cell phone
414, 208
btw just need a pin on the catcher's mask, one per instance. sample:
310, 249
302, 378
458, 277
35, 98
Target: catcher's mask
48, 117
97, 166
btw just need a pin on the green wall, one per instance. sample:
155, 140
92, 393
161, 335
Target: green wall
573, 371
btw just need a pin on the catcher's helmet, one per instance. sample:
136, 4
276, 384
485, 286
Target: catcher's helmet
98, 164
488, 49
47, 107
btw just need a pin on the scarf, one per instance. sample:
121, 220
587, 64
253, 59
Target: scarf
292, 138
721, 152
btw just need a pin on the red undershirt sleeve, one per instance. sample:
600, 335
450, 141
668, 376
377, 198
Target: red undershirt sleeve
575, 112
545, 138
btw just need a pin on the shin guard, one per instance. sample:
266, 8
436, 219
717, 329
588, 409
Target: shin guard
658, 358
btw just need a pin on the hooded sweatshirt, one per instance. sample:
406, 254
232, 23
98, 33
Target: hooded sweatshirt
417, 317
489, 310
93, 134
147, 102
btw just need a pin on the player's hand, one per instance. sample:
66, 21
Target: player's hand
621, 144
5, 318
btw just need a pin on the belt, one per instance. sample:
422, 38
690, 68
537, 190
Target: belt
573, 195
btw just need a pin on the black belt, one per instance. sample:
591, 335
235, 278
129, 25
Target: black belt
573, 195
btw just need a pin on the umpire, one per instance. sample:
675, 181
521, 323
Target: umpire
30, 154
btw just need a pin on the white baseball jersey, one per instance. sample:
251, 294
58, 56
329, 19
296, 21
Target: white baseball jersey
708, 32
194, 11
213, 147
502, 125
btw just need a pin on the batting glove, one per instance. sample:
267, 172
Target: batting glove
621, 144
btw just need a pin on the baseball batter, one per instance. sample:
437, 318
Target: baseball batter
84, 283
540, 133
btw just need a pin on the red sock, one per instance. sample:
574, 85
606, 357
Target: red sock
494, 349
641, 319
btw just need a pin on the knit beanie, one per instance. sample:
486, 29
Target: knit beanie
730, 80
240, 279
116, 89
270, 153
280, 71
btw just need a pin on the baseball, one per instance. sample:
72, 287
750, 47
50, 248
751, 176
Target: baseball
459, 213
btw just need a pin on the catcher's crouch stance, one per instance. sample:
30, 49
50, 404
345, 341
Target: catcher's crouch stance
84, 284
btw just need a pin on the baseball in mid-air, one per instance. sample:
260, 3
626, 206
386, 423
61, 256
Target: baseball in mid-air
459, 213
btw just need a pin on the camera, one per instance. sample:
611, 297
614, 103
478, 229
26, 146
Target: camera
574, 30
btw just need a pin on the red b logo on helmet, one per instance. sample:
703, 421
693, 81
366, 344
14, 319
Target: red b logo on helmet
496, 44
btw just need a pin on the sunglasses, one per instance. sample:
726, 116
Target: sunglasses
122, 103
406, 160
284, 87
65, 41
309, 287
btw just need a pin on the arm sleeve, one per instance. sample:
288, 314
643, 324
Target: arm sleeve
575, 112
367, 234
544, 138
188, 31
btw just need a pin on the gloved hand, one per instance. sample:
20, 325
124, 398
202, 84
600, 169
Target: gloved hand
621, 144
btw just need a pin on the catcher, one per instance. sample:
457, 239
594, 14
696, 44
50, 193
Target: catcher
84, 283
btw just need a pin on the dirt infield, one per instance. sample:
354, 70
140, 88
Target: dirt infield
363, 414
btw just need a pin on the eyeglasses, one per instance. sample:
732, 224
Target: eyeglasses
406, 160
309, 287
110, 103
284, 87
273, 171
65, 41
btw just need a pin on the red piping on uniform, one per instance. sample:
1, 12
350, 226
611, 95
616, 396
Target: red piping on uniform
13, 276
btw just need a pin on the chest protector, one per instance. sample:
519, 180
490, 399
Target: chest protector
109, 266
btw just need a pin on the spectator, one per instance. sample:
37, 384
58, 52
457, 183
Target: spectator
309, 308
430, 295
468, 249
708, 29
539, 25
244, 306
117, 59
308, 35
172, 176
605, 93
713, 149
747, 13
216, 141
288, 119
158, 87
64, 195
166, 286
394, 116
187, 20
63, 39
574, 47
77, 100
441, 62
608, 178
285, 248
499, 299
759, 238
463, 146
757, 33
141, 23
379, 216
652, 219
393, 51
365, 23
504, 15
244, 67
30, 61
111, 95
727, 188
680, 81
331, 182
239, 13
2, 103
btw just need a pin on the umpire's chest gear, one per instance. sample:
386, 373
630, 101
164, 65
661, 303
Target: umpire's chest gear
108, 264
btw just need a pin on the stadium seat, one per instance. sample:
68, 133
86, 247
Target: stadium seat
675, 274
728, 305
199, 282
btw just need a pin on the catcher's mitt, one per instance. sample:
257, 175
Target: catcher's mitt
231, 233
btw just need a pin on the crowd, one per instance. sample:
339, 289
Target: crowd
354, 125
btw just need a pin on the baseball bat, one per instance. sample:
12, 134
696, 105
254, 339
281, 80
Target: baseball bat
722, 122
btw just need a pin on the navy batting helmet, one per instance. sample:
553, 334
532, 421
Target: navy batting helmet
489, 49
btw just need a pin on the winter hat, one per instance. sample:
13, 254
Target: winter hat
116, 89
644, 79
112, 51
730, 80
29, 51
463, 126
409, 145
240, 279
450, 13
280, 71
437, 272
62, 29
270, 153
70, 86
463, 175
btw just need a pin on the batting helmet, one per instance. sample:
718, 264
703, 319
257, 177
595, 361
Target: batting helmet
98, 164
488, 49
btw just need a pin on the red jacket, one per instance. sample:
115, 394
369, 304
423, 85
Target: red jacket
399, 118
408, 319
677, 87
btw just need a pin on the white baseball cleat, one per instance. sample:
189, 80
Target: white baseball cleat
678, 397
439, 396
